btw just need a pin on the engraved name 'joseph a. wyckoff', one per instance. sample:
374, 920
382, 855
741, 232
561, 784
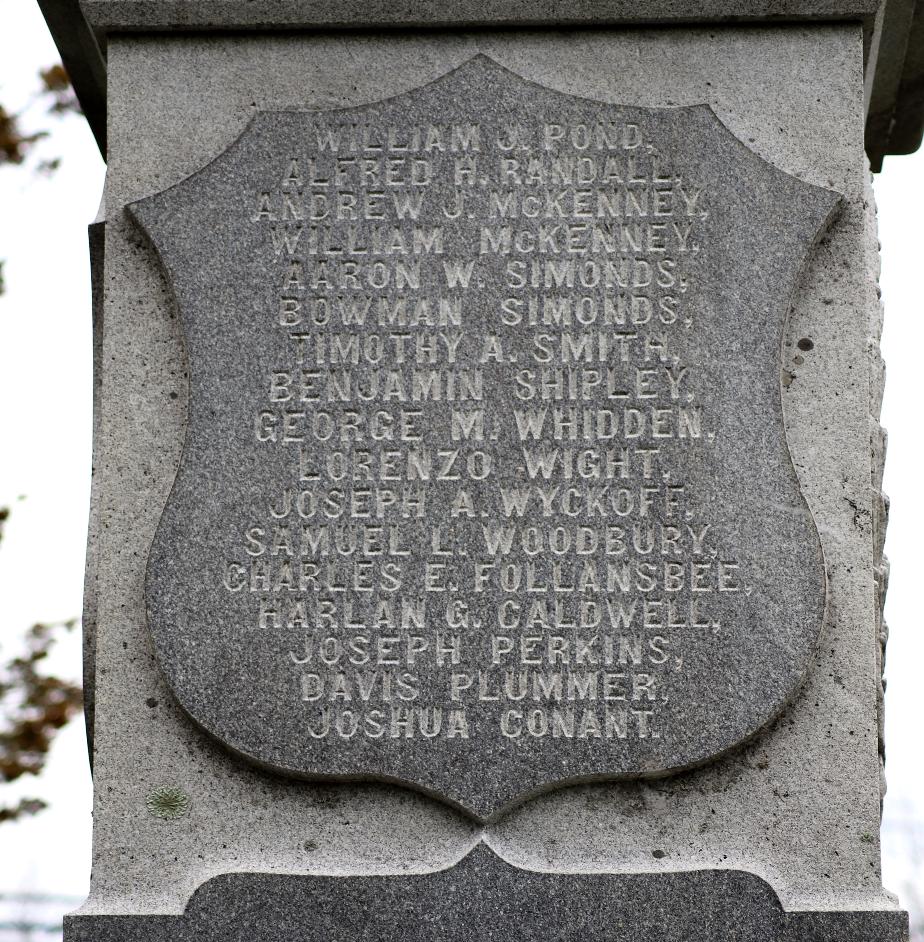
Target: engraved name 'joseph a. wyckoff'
485, 485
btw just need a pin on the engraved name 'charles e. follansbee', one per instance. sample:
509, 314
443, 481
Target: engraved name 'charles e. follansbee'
485, 484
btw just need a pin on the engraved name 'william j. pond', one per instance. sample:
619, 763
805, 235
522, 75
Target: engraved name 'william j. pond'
504, 469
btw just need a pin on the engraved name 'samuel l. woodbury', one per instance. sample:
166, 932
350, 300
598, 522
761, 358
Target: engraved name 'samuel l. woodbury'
485, 485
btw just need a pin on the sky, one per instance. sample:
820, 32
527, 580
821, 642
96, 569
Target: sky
45, 431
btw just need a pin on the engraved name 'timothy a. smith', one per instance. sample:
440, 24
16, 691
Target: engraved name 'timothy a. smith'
485, 484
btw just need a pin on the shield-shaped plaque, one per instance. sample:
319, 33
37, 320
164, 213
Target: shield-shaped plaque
485, 486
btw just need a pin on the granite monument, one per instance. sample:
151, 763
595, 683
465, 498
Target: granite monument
487, 528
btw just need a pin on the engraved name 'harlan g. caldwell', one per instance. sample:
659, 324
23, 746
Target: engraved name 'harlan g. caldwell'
485, 485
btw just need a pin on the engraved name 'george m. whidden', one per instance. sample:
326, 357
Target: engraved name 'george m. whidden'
485, 485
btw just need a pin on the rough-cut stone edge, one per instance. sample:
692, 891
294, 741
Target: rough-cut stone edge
483, 898
878, 440
96, 233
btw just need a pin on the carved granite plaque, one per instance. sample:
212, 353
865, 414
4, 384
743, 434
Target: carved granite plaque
485, 486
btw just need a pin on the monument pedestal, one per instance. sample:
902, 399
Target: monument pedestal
483, 898
487, 522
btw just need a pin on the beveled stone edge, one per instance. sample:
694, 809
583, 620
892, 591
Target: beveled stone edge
81, 29
419, 899
114, 15
107, 17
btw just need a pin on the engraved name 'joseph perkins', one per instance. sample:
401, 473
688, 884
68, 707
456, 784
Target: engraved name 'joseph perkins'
485, 485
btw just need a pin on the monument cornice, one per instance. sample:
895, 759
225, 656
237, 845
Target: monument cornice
82, 29
107, 16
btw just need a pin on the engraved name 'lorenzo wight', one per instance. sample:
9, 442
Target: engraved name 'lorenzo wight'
486, 485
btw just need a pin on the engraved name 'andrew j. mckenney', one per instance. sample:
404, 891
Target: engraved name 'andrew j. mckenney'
485, 484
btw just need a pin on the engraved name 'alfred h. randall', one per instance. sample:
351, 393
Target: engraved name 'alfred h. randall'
485, 485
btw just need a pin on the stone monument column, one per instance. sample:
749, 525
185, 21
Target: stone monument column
487, 522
